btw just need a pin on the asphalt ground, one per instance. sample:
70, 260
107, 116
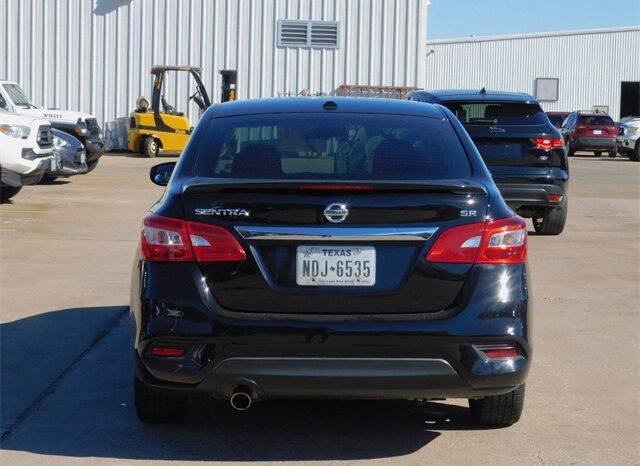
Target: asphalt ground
66, 252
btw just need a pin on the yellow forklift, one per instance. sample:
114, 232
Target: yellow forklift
157, 125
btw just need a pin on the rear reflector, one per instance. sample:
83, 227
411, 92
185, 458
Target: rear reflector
167, 351
501, 241
166, 239
548, 143
499, 352
555, 197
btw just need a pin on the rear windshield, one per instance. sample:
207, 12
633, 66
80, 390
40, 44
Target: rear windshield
338, 146
556, 119
497, 113
599, 120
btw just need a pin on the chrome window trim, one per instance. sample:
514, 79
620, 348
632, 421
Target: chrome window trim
274, 233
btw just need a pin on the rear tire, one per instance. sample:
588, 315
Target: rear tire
7, 192
597, 153
613, 153
553, 221
150, 147
154, 407
498, 410
635, 155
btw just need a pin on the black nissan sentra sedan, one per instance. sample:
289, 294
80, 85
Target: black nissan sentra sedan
321, 247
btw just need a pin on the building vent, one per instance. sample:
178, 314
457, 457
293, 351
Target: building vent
293, 33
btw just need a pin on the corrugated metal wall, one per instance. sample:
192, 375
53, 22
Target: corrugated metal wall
95, 55
590, 65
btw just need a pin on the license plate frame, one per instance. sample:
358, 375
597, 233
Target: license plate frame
336, 266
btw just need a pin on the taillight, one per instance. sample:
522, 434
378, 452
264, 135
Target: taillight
214, 244
548, 143
501, 241
166, 239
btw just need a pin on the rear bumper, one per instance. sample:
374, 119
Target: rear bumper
519, 195
312, 356
593, 144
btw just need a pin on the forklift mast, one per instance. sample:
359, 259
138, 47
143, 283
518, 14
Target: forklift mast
159, 71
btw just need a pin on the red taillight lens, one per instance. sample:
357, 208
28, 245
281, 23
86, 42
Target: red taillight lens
458, 245
548, 143
504, 242
167, 352
166, 239
214, 244
501, 241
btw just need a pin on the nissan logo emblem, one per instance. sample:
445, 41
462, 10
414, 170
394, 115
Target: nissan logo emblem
336, 213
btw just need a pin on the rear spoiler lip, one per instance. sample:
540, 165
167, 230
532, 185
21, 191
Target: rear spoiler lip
215, 185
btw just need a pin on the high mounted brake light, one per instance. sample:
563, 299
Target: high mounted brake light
501, 241
166, 239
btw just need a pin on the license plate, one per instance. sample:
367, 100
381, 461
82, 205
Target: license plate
335, 266
83, 157
597, 131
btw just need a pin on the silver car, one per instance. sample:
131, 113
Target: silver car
627, 141
71, 158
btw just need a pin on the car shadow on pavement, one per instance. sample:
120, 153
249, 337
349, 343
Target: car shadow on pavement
88, 410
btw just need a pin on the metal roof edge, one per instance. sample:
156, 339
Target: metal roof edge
577, 32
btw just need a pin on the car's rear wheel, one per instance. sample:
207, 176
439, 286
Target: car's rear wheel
498, 410
635, 155
553, 221
7, 192
613, 153
151, 147
155, 407
597, 153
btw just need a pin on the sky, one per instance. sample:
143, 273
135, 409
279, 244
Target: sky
462, 18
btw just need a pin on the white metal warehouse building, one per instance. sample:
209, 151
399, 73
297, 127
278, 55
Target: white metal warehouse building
590, 68
95, 55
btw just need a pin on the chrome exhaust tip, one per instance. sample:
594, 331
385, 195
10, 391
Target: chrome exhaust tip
241, 400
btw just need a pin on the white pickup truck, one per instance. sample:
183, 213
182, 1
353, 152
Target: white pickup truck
26, 151
80, 125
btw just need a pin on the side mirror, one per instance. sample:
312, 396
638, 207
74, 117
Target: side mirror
161, 174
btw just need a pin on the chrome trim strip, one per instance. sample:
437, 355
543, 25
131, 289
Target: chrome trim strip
317, 367
271, 233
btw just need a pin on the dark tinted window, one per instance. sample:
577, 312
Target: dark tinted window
331, 146
556, 118
600, 120
497, 113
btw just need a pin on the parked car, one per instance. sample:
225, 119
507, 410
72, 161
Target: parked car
26, 151
592, 132
522, 149
71, 160
556, 118
346, 248
80, 125
627, 141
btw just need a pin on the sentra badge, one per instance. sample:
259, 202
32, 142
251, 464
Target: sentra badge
217, 212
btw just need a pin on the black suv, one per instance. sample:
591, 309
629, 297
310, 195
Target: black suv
524, 152
347, 248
